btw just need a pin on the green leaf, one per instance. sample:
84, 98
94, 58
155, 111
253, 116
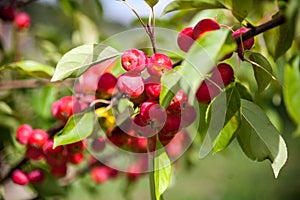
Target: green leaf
239, 9
222, 119
259, 139
5, 109
192, 5
262, 70
151, 3
31, 68
78, 60
279, 39
291, 92
87, 32
78, 127
232, 120
169, 87
243, 91
162, 173
202, 58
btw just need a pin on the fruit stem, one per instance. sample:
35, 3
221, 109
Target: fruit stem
151, 28
137, 15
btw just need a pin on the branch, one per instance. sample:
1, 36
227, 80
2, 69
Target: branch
255, 30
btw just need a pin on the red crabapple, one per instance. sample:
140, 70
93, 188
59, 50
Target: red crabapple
134, 60
19, 177
63, 108
48, 148
222, 75
153, 114
204, 26
59, 171
34, 153
7, 13
153, 90
100, 174
22, 20
23, 133
185, 39
38, 138
106, 85
76, 147
246, 44
158, 64
131, 84
206, 92
36, 176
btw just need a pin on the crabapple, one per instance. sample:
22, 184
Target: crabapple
204, 26
134, 60
185, 39
246, 44
22, 20
206, 92
59, 171
48, 148
158, 64
19, 177
222, 75
106, 85
100, 174
8, 13
131, 84
38, 138
36, 176
23, 133
76, 147
34, 153
63, 108
152, 113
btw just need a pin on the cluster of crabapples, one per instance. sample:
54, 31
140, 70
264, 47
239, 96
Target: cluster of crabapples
222, 75
147, 122
9, 13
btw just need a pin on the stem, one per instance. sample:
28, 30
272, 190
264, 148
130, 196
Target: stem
151, 30
136, 14
151, 171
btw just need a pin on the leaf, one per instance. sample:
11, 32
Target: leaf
239, 9
259, 139
87, 30
78, 60
169, 87
162, 173
78, 127
279, 39
5, 109
31, 68
291, 92
232, 120
192, 5
202, 58
223, 117
262, 70
151, 3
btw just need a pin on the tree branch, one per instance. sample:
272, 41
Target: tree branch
255, 30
